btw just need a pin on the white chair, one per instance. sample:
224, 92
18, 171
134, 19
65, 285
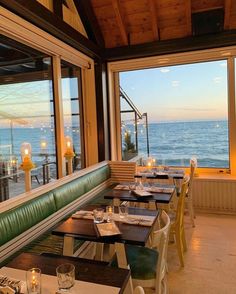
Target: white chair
139, 290
148, 266
189, 198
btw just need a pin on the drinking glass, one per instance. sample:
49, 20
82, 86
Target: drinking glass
109, 212
33, 281
65, 277
98, 215
123, 211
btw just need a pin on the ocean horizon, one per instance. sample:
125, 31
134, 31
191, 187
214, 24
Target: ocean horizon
170, 143
174, 143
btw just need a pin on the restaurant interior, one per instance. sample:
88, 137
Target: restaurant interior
117, 146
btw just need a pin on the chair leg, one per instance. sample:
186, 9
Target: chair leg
179, 246
183, 239
191, 212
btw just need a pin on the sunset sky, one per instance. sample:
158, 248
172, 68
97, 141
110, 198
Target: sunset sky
179, 93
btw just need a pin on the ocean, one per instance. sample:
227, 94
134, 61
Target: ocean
170, 143
174, 143
11, 140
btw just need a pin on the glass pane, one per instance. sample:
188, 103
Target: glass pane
26, 115
187, 110
71, 96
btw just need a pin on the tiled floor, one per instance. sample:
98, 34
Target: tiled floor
210, 262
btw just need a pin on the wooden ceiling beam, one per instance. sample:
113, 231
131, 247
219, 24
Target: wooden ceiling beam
227, 10
209, 41
188, 17
71, 5
57, 8
120, 22
43, 18
154, 18
89, 20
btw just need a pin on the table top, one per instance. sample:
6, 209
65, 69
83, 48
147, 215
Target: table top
125, 195
84, 229
161, 174
85, 270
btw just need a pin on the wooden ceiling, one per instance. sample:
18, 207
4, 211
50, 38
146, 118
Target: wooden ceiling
131, 22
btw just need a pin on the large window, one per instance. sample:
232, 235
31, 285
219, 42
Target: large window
26, 115
187, 109
71, 95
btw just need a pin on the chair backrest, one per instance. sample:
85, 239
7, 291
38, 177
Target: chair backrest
139, 290
160, 242
193, 165
179, 218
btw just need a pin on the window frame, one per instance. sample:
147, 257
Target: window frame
226, 53
26, 33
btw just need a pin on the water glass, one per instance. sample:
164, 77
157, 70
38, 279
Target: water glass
123, 211
109, 212
65, 276
33, 281
98, 215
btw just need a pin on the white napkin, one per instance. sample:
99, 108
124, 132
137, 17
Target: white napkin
160, 190
108, 229
121, 187
83, 214
142, 193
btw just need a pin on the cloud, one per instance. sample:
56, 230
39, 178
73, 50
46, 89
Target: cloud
217, 80
164, 70
175, 83
223, 64
193, 109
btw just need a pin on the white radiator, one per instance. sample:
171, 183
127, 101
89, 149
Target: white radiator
215, 195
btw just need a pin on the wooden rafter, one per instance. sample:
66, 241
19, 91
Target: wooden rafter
120, 22
227, 8
89, 20
71, 6
171, 46
57, 8
188, 17
153, 12
40, 16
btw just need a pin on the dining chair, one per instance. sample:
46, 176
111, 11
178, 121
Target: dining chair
177, 222
189, 198
148, 265
139, 290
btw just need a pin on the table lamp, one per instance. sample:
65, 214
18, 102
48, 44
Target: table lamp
26, 164
69, 153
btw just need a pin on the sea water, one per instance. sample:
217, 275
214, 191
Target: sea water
174, 143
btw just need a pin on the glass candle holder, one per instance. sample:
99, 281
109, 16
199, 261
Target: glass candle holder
109, 212
33, 281
98, 215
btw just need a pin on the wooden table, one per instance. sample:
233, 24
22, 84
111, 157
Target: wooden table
163, 174
130, 234
125, 195
85, 270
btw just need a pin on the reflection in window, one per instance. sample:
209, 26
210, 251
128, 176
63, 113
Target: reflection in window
26, 115
71, 97
187, 108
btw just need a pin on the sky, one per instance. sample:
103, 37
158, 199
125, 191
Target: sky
28, 104
179, 93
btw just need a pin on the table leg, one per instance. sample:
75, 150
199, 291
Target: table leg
99, 251
122, 263
68, 245
116, 202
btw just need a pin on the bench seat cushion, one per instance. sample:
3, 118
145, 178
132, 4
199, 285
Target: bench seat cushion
76, 188
19, 219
